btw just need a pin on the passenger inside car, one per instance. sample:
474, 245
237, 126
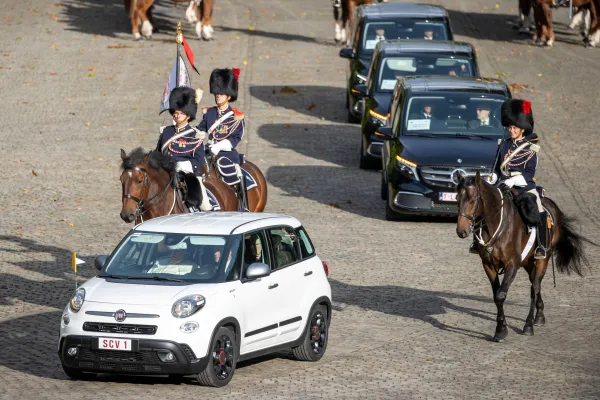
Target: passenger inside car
284, 255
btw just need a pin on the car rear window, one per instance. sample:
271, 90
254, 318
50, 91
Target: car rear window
402, 28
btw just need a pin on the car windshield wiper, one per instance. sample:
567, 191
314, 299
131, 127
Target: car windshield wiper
156, 278
113, 276
474, 135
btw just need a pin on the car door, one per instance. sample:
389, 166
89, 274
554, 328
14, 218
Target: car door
258, 298
289, 271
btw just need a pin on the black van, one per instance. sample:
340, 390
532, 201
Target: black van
397, 58
395, 21
440, 128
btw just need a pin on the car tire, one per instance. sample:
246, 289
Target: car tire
315, 338
222, 358
77, 374
391, 215
351, 118
384, 188
367, 162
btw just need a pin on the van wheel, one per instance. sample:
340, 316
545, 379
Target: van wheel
315, 339
222, 360
77, 374
390, 214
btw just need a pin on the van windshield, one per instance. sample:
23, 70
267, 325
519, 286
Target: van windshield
176, 257
401, 28
468, 114
392, 68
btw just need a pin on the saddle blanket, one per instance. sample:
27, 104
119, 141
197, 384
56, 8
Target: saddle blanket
250, 181
213, 200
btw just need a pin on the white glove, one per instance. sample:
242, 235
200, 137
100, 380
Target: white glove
224, 145
518, 180
493, 178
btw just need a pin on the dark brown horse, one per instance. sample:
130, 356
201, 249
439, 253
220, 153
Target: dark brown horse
149, 188
200, 14
492, 216
343, 14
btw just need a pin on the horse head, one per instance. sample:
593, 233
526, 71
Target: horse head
469, 203
140, 177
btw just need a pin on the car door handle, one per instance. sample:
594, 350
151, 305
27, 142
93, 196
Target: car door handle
273, 286
308, 273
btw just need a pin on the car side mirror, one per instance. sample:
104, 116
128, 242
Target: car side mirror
384, 133
346, 52
257, 270
99, 262
360, 90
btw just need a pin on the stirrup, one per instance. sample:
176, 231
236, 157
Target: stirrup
473, 249
540, 253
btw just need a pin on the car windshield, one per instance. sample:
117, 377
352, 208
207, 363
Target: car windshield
392, 68
401, 28
466, 114
175, 257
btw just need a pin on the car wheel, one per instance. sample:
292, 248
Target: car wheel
366, 161
222, 360
347, 102
77, 374
390, 214
351, 118
315, 339
384, 188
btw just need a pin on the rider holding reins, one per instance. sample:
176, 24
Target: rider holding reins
517, 162
182, 141
224, 124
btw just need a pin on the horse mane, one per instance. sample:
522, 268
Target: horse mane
468, 181
156, 160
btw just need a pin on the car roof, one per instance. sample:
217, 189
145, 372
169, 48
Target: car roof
216, 223
420, 83
391, 10
398, 46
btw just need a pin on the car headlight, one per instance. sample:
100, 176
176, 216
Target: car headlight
188, 305
361, 78
407, 167
377, 118
77, 300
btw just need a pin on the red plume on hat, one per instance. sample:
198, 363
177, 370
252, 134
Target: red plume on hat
236, 72
526, 107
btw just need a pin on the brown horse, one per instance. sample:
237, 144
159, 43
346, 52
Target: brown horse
491, 214
149, 185
198, 13
343, 13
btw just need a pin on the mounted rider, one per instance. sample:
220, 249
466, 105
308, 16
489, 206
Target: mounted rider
182, 141
224, 124
515, 169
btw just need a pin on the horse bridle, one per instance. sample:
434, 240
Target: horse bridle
474, 215
140, 202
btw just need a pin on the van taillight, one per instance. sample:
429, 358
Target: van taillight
326, 268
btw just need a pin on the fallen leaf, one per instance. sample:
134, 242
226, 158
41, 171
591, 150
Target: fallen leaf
334, 205
540, 74
251, 28
68, 100
119, 46
514, 86
313, 105
92, 75
100, 159
245, 62
92, 69
71, 225
497, 6
87, 123
52, 73
33, 173
287, 89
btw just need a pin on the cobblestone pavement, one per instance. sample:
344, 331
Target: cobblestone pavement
414, 311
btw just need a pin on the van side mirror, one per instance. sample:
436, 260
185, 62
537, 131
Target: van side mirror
99, 262
384, 133
346, 52
257, 270
360, 90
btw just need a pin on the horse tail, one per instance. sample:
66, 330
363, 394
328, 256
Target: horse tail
570, 256
130, 6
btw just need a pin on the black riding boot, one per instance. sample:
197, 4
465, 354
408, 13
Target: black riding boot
542, 238
473, 249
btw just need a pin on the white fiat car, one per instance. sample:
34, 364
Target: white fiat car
194, 294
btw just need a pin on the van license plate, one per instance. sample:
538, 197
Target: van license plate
114, 344
444, 196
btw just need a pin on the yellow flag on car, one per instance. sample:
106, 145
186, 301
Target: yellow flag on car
75, 262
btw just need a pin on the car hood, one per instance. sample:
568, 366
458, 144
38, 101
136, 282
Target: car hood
447, 151
99, 290
382, 102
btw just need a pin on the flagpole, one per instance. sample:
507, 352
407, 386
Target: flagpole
179, 41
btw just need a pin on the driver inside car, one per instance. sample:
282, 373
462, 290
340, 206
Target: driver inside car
176, 261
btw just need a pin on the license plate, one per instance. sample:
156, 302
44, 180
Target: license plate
444, 196
114, 344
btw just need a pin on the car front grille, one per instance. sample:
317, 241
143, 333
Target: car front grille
111, 356
119, 328
441, 176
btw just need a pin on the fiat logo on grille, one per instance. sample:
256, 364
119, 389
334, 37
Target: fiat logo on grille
457, 174
120, 315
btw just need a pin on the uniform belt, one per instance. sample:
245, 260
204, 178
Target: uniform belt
514, 173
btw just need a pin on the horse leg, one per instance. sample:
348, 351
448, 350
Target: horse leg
510, 271
536, 276
350, 18
206, 14
549, 26
337, 16
190, 12
501, 330
142, 11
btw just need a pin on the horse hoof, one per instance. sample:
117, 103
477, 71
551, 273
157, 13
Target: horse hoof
528, 330
500, 296
500, 336
540, 320
137, 37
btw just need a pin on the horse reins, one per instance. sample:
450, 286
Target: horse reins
479, 224
150, 202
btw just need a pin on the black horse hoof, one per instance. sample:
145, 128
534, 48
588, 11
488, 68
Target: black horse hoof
540, 320
500, 335
528, 330
500, 296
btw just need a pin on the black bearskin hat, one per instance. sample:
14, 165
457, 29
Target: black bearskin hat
183, 99
518, 113
225, 81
